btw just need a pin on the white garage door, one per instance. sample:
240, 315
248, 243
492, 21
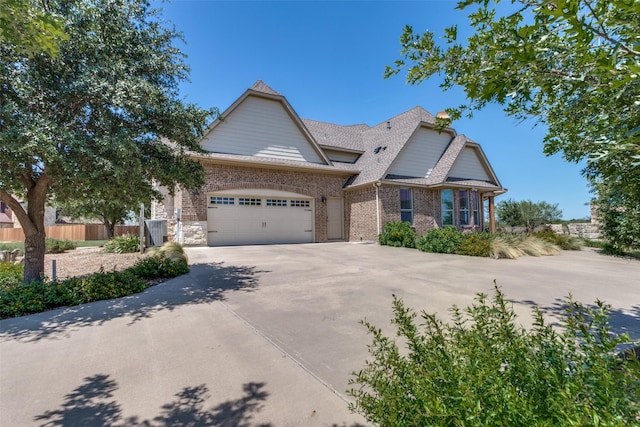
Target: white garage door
249, 217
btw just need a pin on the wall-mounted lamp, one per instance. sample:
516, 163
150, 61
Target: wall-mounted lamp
195, 192
323, 198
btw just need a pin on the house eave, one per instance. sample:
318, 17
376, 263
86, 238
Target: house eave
269, 164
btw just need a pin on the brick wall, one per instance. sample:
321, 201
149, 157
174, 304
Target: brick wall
361, 210
226, 177
426, 210
360, 218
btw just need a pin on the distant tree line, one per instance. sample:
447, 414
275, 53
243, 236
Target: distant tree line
527, 213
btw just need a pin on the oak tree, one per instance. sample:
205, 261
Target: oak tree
570, 65
102, 108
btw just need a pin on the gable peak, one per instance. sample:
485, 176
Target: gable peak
260, 86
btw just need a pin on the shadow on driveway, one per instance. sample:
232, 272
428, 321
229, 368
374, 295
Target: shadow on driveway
205, 283
620, 321
92, 404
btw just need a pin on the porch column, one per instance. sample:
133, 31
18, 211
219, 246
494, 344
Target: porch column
492, 215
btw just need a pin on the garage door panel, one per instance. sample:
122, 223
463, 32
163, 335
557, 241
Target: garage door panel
248, 219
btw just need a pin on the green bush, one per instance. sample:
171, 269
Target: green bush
475, 244
484, 370
440, 240
10, 274
56, 246
126, 243
17, 299
159, 266
398, 234
563, 241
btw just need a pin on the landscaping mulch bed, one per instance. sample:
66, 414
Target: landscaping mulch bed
81, 261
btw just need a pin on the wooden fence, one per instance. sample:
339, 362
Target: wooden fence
70, 232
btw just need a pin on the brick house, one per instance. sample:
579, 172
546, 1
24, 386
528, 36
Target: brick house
272, 177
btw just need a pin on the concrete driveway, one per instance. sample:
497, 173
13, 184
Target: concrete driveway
264, 335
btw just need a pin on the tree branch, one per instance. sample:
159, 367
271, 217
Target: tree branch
602, 32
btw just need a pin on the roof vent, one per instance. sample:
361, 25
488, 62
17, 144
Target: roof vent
388, 125
377, 150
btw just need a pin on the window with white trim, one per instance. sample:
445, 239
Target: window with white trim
463, 210
406, 205
446, 203
475, 208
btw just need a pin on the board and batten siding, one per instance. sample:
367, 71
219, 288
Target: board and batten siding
468, 165
262, 128
421, 153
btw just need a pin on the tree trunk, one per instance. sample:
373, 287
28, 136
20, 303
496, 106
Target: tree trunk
111, 227
34, 249
32, 222
34, 235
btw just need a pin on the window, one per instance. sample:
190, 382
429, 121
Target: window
221, 200
406, 205
475, 203
300, 204
276, 202
249, 201
446, 201
463, 198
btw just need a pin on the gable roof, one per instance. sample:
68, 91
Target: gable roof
377, 145
261, 91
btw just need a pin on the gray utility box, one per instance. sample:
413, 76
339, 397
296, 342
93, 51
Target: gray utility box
155, 231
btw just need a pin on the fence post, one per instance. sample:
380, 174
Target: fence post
141, 228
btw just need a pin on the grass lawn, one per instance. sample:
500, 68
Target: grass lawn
9, 246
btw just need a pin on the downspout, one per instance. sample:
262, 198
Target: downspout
377, 185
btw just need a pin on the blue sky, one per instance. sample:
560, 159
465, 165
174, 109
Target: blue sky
327, 58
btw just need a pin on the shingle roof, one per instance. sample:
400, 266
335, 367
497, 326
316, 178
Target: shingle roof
379, 144
260, 86
329, 134
391, 136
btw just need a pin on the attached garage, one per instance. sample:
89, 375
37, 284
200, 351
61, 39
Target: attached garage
256, 216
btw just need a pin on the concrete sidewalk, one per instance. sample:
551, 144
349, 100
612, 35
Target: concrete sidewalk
264, 335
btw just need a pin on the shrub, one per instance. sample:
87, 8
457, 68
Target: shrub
123, 244
484, 370
475, 244
563, 241
56, 246
17, 299
440, 240
159, 266
10, 274
398, 234
175, 252
515, 245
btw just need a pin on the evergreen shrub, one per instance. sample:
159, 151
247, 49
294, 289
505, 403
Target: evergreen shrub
397, 233
445, 240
